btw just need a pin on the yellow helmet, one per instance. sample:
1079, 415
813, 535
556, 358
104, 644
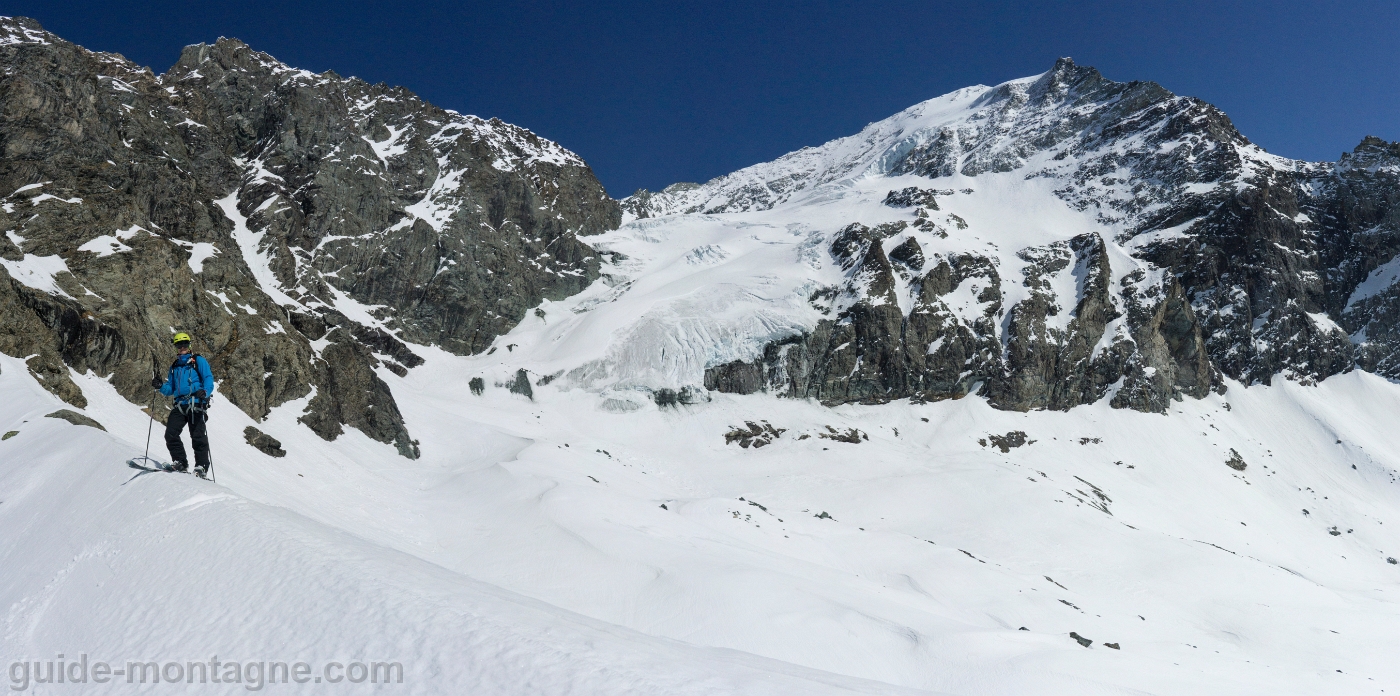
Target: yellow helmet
181, 336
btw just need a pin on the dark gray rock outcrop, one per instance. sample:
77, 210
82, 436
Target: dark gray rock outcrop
302, 227
520, 384
1052, 356
263, 442
75, 418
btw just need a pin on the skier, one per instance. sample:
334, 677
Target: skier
191, 383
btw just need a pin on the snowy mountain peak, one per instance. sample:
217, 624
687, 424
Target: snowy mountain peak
230, 53
1213, 256
1067, 110
23, 30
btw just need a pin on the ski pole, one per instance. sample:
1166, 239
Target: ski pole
150, 424
205, 415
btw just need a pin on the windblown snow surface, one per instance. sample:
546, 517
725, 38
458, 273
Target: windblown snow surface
589, 541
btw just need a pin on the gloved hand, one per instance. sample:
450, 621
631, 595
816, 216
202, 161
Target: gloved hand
157, 383
202, 395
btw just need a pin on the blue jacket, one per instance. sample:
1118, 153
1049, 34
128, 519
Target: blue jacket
186, 377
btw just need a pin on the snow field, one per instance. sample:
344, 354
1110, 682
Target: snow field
551, 510
122, 565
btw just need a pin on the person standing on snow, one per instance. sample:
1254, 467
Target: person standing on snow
191, 383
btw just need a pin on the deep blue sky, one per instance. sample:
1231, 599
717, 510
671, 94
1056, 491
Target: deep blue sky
654, 93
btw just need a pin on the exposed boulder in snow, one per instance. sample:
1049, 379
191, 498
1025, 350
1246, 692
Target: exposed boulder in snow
1007, 442
753, 434
520, 384
75, 418
853, 436
263, 442
913, 196
1235, 461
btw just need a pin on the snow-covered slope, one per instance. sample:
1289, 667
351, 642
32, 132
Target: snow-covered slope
649, 549
104, 563
700, 290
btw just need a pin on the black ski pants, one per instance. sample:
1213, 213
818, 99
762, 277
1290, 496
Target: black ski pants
198, 435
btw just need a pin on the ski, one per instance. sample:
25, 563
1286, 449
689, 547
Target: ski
154, 465
148, 464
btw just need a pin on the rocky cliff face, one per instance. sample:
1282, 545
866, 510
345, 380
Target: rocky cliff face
1127, 244
302, 227
1211, 256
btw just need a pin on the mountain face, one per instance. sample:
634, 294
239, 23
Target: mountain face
1197, 255
302, 227
1048, 242
589, 513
